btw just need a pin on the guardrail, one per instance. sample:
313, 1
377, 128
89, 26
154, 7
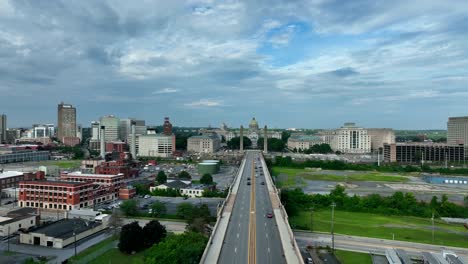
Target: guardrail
220, 212
283, 214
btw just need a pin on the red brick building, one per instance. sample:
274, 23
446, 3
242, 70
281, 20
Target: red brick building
109, 185
71, 141
127, 193
11, 179
58, 195
116, 147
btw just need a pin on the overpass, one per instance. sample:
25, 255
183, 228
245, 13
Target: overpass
252, 226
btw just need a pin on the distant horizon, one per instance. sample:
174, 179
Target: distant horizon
289, 63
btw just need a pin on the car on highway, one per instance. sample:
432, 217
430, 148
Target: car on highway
263, 183
248, 183
248, 178
269, 215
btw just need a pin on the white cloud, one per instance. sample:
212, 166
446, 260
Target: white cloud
166, 91
205, 103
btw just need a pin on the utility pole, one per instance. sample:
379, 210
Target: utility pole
8, 238
74, 234
432, 227
332, 226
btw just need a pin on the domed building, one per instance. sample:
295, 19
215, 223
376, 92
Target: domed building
253, 126
253, 132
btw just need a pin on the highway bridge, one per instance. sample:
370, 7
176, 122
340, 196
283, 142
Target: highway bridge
252, 226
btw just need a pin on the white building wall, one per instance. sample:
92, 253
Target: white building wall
156, 146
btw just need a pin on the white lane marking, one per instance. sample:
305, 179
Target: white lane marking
239, 224
237, 235
235, 250
266, 235
268, 250
265, 224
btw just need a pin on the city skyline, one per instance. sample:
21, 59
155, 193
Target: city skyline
302, 64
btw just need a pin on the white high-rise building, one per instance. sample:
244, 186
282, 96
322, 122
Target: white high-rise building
457, 130
380, 136
351, 139
126, 128
156, 145
112, 126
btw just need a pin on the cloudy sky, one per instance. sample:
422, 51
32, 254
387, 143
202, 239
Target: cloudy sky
291, 63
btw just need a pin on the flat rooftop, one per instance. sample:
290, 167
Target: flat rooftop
8, 174
64, 228
80, 174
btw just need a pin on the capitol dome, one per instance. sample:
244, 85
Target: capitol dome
253, 126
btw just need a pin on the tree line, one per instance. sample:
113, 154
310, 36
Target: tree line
399, 203
341, 165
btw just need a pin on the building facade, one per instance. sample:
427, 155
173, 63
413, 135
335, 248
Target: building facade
156, 145
380, 136
457, 130
3, 129
167, 127
112, 127
59, 195
23, 156
351, 139
304, 142
203, 144
66, 121
411, 153
109, 184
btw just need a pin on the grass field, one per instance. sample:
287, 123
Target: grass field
405, 228
63, 164
114, 256
349, 257
98, 247
296, 176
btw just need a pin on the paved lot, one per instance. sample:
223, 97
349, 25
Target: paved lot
172, 202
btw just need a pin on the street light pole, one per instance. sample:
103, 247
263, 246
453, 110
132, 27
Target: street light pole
332, 226
432, 227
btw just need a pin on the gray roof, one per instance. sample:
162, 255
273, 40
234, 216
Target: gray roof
176, 184
64, 228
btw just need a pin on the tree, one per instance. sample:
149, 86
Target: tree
184, 175
465, 201
274, 144
161, 178
184, 248
131, 238
185, 210
206, 179
285, 136
129, 207
234, 143
153, 233
158, 208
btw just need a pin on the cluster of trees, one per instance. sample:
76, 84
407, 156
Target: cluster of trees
296, 201
215, 193
340, 165
133, 238
274, 144
161, 178
317, 148
77, 152
234, 143
183, 248
198, 217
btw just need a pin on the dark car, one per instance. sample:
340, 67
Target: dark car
263, 183
269, 215
248, 183
248, 178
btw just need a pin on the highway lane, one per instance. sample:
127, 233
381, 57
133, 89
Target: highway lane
266, 245
269, 248
235, 248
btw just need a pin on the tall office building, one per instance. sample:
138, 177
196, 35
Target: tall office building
126, 128
66, 122
457, 131
112, 126
3, 128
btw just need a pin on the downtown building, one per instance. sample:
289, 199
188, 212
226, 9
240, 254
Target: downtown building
156, 145
107, 185
351, 139
203, 144
66, 124
304, 142
423, 152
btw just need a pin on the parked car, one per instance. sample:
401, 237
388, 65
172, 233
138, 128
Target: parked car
269, 215
147, 196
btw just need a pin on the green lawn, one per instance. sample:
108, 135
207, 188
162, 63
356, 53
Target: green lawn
99, 246
114, 256
63, 164
296, 176
404, 228
349, 257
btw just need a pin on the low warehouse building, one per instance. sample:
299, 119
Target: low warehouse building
21, 219
61, 233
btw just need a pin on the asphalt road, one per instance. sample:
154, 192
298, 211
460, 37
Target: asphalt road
268, 246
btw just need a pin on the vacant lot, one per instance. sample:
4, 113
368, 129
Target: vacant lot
296, 176
64, 164
412, 229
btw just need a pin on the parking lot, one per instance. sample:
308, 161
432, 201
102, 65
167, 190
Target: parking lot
172, 203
